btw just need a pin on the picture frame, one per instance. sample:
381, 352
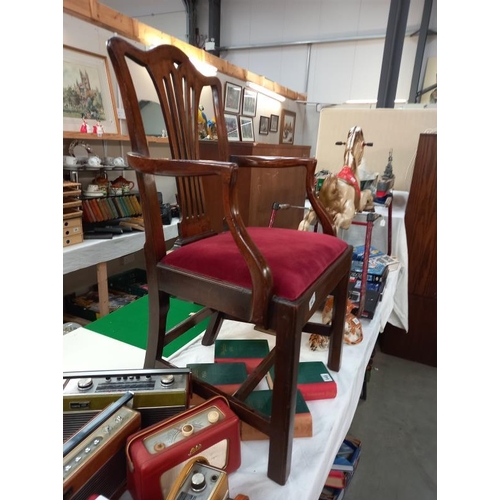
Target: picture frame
232, 98
233, 131
273, 123
287, 129
87, 92
246, 129
249, 107
264, 125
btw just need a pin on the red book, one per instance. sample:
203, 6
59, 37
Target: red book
314, 381
248, 351
226, 376
336, 479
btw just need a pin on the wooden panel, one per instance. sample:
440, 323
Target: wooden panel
421, 220
258, 189
420, 343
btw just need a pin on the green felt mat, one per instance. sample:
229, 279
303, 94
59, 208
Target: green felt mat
129, 324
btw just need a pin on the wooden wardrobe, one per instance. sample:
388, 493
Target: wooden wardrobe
420, 343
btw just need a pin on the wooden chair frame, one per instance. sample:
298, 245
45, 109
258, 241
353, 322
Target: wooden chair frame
179, 85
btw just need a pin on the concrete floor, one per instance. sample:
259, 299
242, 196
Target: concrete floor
397, 426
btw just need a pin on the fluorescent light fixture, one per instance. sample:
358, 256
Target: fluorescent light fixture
204, 67
373, 101
265, 91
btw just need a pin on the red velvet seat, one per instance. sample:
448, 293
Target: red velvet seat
273, 278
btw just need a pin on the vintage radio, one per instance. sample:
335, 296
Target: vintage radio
94, 457
156, 455
158, 394
199, 480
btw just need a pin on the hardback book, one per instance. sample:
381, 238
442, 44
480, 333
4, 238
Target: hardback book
261, 401
314, 381
336, 479
347, 457
377, 271
330, 493
248, 351
358, 253
372, 299
389, 260
372, 286
226, 376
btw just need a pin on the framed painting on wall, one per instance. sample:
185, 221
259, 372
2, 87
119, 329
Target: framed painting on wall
246, 127
287, 127
232, 98
264, 125
249, 103
273, 123
87, 93
233, 133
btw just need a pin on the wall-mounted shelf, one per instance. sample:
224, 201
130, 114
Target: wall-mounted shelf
109, 137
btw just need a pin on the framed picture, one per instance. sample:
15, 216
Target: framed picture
264, 125
246, 127
87, 93
273, 123
233, 98
287, 127
233, 132
249, 103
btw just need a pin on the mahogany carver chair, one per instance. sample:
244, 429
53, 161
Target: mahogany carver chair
271, 277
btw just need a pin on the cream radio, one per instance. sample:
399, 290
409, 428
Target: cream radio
158, 394
156, 455
94, 457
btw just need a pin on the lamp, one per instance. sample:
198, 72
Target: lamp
265, 91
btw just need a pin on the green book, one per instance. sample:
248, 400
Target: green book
248, 351
262, 401
226, 376
313, 380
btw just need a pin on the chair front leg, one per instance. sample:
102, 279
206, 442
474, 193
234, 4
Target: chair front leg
288, 339
158, 305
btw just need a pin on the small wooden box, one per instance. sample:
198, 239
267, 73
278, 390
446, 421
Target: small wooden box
72, 213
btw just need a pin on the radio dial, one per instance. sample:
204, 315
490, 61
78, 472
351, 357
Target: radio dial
84, 384
198, 482
167, 380
213, 416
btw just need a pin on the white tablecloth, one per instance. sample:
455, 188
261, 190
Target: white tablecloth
311, 457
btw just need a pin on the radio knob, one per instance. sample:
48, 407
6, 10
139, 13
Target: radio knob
198, 482
85, 383
213, 416
187, 430
167, 380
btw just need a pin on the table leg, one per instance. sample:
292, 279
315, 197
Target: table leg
102, 288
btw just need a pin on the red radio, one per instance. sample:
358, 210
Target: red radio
157, 454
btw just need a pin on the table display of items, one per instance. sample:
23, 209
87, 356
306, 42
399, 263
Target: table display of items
124, 440
72, 213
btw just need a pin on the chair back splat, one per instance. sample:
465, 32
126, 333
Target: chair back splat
258, 275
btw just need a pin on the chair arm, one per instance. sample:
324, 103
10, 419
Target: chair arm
287, 162
262, 279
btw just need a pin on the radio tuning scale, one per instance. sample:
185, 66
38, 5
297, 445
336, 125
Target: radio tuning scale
183, 429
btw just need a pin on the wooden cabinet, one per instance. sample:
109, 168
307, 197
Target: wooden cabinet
420, 343
259, 188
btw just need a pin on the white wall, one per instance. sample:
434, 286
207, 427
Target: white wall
329, 72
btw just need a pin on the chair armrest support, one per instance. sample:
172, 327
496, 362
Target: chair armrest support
287, 162
262, 280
